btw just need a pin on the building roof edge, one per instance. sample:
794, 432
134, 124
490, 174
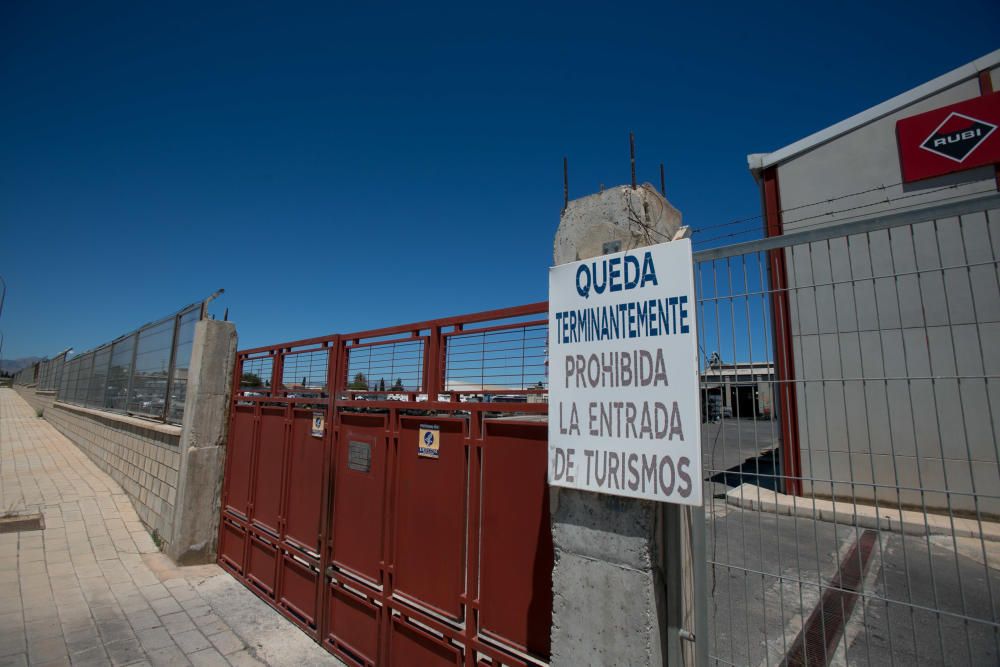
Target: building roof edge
757, 162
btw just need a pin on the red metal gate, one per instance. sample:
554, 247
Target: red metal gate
388, 557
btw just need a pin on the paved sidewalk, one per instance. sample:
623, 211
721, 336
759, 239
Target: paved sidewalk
92, 588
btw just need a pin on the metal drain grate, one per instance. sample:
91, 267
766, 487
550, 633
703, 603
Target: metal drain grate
22, 523
817, 642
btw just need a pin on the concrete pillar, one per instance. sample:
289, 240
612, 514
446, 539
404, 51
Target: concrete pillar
608, 589
203, 443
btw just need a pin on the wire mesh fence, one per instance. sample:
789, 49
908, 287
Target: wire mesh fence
142, 373
850, 391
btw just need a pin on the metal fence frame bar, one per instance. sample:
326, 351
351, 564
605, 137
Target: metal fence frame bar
54, 371
860, 226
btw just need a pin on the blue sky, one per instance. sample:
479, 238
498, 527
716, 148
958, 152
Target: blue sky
340, 168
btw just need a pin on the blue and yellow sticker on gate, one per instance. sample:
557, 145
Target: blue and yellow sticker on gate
429, 441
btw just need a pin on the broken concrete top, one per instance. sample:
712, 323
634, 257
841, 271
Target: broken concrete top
635, 218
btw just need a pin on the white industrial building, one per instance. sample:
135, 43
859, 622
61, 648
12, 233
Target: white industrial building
888, 336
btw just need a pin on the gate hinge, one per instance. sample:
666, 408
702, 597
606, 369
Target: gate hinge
329, 571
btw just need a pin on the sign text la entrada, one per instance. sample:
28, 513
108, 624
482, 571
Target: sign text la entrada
623, 392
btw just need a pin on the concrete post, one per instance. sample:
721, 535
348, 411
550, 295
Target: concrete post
609, 603
202, 443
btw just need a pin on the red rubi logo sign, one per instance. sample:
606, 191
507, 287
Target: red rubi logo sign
953, 138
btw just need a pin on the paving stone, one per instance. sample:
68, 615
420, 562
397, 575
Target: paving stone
156, 591
42, 629
10, 604
196, 607
12, 642
91, 657
112, 631
208, 658
243, 659
210, 624
178, 622
11, 619
226, 642
165, 606
47, 650
70, 597
191, 641
154, 638
184, 594
109, 612
78, 622
58, 662
124, 652
81, 640
41, 614
144, 620
135, 604
168, 657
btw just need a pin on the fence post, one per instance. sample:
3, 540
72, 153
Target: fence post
202, 443
170, 366
131, 372
107, 373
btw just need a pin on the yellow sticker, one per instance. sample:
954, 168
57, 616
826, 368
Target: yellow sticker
429, 441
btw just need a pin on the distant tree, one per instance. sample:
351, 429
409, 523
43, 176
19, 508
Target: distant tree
381, 384
250, 380
398, 385
359, 382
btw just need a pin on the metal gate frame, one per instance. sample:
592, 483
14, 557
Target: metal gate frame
373, 592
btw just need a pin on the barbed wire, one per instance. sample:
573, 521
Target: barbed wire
828, 214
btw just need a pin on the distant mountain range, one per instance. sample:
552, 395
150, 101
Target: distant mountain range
14, 365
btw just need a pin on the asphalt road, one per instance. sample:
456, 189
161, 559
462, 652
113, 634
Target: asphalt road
729, 442
922, 600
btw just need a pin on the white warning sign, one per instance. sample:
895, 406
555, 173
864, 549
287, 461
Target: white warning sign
624, 408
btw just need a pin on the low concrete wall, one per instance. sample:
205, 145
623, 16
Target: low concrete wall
143, 457
172, 474
36, 399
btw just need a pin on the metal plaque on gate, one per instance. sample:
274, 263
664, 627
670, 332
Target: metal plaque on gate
359, 456
429, 445
318, 424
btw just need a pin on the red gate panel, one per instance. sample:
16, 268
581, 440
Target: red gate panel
239, 458
299, 580
430, 522
269, 469
232, 544
414, 646
261, 564
515, 562
304, 501
353, 619
359, 496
